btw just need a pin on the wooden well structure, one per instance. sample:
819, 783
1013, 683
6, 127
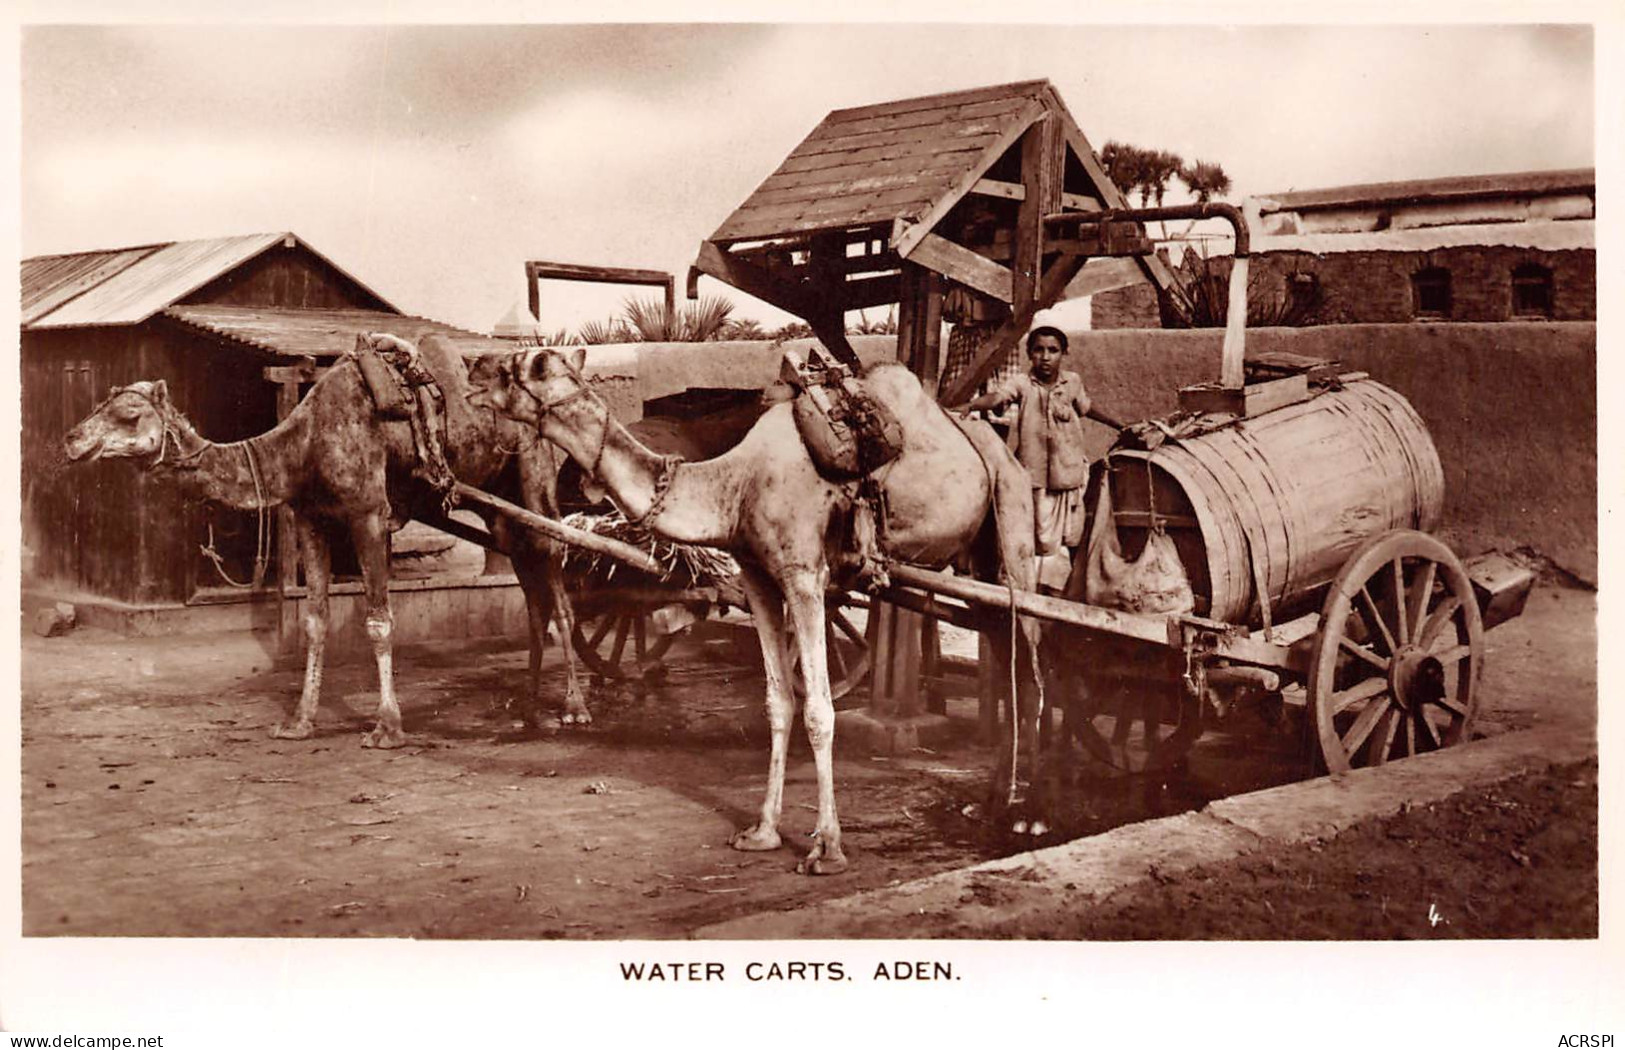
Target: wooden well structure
994, 192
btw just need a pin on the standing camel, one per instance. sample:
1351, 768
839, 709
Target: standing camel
766, 503
344, 469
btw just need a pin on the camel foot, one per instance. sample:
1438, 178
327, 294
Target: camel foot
298, 730
383, 738
755, 840
823, 860
576, 715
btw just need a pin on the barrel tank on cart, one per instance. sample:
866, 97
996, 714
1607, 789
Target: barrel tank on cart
1276, 504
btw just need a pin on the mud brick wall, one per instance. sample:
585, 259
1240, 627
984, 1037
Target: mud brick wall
1512, 408
1375, 287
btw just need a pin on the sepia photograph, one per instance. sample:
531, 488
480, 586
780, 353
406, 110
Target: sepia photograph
579, 509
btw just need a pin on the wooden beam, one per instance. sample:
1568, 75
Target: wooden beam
963, 265
1056, 278
1040, 175
1104, 275
1029, 115
827, 279
928, 351
537, 271
303, 372
1079, 202
1014, 191
880, 290
1151, 265
751, 279
563, 533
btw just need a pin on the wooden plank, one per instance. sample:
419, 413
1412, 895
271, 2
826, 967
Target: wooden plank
1026, 118
750, 279
1249, 401
943, 114
865, 292
303, 372
1078, 202
926, 183
1159, 630
928, 353
1022, 90
885, 160
1151, 265
909, 150
1104, 275
1056, 278
561, 532
919, 140
963, 265
855, 178
993, 188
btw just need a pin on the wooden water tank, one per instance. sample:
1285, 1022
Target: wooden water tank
1281, 500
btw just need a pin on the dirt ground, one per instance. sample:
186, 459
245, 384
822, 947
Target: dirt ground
155, 805
1516, 859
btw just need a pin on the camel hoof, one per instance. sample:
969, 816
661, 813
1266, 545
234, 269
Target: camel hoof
1019, 827
293, 731
582, 717
1038, 828
822, 861
755, 840
383, 739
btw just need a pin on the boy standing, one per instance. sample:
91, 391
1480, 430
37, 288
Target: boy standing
1047, 436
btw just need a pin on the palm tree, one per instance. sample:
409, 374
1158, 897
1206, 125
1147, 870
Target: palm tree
1205, 179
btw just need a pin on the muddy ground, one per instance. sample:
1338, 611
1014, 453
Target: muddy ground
155, 805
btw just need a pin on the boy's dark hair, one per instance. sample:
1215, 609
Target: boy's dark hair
1049, 330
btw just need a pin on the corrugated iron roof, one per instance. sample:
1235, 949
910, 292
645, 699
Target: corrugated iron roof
887, 161
127, 286
51, 280
318, 333
1523, 183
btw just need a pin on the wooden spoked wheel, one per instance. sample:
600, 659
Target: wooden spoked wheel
1138, 729
1396, 665
615, 641
845, 648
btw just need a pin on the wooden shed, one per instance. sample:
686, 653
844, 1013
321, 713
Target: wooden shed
236, 327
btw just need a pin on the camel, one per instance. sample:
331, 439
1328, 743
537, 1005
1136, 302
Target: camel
340, 466
765, 502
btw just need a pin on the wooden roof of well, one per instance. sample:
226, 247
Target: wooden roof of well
888, 161
318, 333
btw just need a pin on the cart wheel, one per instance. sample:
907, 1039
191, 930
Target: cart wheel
601, 635
1137, 729
1397, 662
845, 648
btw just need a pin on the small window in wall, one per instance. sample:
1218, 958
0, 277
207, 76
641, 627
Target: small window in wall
1430, 292
1532, 291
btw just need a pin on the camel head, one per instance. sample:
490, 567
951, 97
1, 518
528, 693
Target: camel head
132, 422
527, 385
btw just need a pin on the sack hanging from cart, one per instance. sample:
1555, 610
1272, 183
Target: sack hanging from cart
1155, 582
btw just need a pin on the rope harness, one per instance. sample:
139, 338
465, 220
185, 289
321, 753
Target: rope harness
668, 463
183, 460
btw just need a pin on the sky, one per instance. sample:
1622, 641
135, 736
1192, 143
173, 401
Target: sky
432, 161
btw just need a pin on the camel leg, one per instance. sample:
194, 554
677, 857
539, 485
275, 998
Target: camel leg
318, 559
371, 537
564, 614
804, 592
766, 612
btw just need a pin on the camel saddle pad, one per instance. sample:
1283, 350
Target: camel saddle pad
388, 390
847, 433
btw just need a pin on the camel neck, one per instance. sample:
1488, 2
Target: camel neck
245, 475
699, 506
